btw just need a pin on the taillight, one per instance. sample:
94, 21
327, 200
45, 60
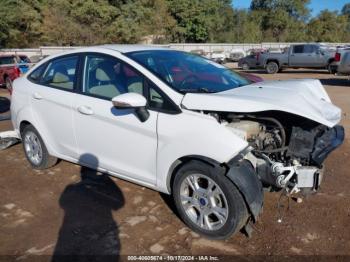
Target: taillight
17, 71
337, 57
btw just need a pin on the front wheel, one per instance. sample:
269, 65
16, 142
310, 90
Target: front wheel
207, 201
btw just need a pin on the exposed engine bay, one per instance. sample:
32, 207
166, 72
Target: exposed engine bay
288, 151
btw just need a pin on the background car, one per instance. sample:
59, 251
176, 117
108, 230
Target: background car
341, 63
251, 77
12, 67
218, 56
248, 62
301, 55
236, 54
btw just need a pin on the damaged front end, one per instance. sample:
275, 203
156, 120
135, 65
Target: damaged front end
286, 153
306, 153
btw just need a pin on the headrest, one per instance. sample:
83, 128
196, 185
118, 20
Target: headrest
60, 78
101, 75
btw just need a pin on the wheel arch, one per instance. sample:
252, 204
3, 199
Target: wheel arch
178, 163
330, 60
272, 60
5, 76
24, 124
239, 171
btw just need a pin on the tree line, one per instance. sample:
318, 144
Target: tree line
31, 23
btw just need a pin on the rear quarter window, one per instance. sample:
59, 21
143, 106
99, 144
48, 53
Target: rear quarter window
35, 76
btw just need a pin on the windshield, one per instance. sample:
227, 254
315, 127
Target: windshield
188, 73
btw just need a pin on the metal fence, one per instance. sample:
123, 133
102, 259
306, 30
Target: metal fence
225, 47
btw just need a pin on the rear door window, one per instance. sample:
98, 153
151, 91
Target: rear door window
298, 49
309, 49
61, 73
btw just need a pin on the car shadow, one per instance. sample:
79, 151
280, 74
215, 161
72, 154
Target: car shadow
4, 104
336, 82
88, 231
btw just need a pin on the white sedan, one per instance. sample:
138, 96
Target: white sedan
180, 124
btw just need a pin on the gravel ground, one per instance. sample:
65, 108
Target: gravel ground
55, 211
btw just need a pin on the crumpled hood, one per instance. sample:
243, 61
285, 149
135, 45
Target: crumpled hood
305, 97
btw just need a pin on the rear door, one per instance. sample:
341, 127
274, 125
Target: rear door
297, 57
313, 56
51, 99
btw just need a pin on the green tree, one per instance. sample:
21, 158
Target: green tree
19, 22
282, 20
328, 27
197, 20
346, 10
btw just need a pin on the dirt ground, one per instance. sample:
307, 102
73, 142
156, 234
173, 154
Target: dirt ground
42, 211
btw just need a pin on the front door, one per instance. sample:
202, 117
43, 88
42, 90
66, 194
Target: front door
119, 141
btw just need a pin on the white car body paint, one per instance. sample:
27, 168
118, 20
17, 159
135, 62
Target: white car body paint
144, 153
305, 98
190, 134
129, 100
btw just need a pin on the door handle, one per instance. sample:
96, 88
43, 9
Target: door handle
85, 110
37, 96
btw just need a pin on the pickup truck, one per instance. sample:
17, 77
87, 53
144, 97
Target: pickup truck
297, 56
11, 67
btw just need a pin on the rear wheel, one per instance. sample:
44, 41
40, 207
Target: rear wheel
330, 69
35, 149
272, 67
208, 202
245, 66
8, 83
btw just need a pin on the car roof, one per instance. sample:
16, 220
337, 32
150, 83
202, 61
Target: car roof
133, 48
11, 55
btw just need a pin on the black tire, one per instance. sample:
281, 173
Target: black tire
331, 70
46, 161
272, 67
245, 66
237, 214
8, 84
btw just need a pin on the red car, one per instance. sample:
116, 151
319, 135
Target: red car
251, 77
11, 67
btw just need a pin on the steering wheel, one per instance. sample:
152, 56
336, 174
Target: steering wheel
187, 78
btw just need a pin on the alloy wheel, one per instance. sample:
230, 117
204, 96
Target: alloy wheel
204, 202
33, 147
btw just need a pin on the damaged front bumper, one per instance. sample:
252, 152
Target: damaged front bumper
306, 145
241, 172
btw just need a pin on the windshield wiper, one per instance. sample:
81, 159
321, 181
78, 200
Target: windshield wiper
195, 90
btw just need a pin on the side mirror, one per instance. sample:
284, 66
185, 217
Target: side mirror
132, 101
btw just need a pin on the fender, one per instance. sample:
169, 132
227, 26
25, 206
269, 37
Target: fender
242, 174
